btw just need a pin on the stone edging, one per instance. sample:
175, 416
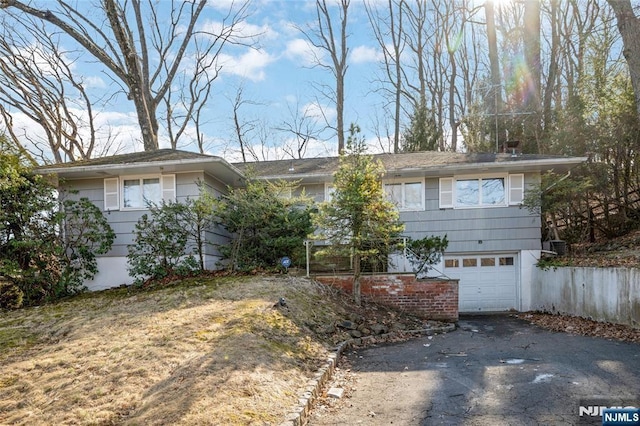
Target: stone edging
299, 416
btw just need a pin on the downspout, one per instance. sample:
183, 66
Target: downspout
558, 181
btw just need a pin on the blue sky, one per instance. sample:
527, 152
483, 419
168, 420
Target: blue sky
276, 73
278, 80
279, 75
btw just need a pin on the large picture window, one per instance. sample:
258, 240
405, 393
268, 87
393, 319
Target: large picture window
483, 191
480, 192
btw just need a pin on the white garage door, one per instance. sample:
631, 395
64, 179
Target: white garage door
487, 282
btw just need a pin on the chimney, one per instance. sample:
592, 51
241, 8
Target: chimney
511, 147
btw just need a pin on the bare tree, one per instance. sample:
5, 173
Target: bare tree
384, 124
416, 38
264, 149
494, 60
37, 81
143, 52
453, 20
242, 128
629, 27
331, 37
389, 33
192, 99
302, 127
430, 60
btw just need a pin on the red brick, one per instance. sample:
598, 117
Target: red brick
430, 299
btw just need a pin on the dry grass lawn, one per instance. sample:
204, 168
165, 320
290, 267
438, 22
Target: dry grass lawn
203, 351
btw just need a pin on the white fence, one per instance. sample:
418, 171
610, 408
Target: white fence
602, 294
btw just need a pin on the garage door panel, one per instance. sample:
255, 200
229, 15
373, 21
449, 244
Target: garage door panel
487, 282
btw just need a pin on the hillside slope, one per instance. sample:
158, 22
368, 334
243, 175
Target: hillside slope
207, 348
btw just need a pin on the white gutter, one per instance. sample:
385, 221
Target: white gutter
109, 167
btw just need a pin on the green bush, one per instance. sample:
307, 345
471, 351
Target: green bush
86, 234
425, 252
264, 224
47, 247
160, 245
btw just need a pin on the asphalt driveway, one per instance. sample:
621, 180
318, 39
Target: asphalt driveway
493, 370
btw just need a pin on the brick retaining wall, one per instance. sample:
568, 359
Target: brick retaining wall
435, 299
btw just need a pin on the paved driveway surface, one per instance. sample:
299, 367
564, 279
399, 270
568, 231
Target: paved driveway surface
493, 370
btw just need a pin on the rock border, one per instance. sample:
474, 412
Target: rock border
299, 416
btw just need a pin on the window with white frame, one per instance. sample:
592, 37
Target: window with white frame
407, 195
329, 189
137, 192
482, 191
140, 192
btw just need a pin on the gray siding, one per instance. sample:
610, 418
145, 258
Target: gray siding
475, 230
468, 230
187, 185
217, 236
495, 229
123, 222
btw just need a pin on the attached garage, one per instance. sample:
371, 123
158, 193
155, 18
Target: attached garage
488, 282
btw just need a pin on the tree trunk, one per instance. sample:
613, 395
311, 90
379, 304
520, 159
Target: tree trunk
452, 101
397, 50
494, 60
552, 72
136, 80
357, 296
532, 52
341, 71
392, 52
629, 27
532, 57
324, 38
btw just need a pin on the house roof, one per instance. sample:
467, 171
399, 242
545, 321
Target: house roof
134, 157
415, 164
158, 161
309, 169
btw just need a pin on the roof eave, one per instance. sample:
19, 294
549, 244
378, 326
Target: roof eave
166, 166
515, 166
559, 164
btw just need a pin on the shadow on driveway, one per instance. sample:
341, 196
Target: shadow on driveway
493, 370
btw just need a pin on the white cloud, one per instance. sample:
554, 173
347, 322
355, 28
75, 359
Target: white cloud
288, 28
300, 50
223, 5
364, 54
94, 82
319, 112
114, 131
243, 32
262, 31
248, 65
